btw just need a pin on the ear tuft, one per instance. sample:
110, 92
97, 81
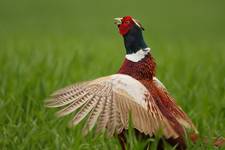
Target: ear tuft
138, 24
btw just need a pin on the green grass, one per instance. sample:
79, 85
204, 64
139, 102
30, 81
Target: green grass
45, 45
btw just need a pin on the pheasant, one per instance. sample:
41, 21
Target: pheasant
132, 94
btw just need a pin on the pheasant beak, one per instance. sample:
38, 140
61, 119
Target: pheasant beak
118, 21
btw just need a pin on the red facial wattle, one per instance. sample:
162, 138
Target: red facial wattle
126, 25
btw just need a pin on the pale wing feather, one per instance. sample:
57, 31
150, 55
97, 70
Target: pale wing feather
140, 118
74, 105
96, 111
104, 116
112, 124
69, 89
110, 100
65, 99
110, 127
67, 95
98, 91
94, 115
83, 112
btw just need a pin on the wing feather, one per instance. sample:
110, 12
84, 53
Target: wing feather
62, 100
69, 89
104, 116
83, 112
74, 105
137, 113
108, 101
94, 115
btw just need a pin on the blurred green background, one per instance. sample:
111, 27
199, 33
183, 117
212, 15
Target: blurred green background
47, 44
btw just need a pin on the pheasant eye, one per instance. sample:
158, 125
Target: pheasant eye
127, 22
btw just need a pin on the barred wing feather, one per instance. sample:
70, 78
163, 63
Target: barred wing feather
108, 102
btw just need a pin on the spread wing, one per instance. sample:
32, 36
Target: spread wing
175, 110
108, 102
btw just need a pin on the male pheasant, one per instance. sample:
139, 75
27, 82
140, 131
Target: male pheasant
133, 92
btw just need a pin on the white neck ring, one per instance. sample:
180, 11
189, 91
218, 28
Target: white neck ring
139, 55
